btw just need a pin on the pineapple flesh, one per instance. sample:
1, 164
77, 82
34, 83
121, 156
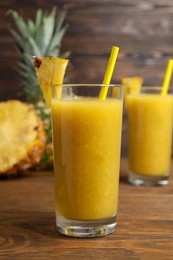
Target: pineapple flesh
22, 137
50, 70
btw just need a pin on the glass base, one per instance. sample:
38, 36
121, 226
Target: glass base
145, 180
93, 228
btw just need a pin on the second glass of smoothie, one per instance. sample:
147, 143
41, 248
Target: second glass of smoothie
150, 116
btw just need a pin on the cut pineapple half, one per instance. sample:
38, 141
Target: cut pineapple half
22, 137
50, 71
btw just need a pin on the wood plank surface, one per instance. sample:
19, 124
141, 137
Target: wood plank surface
27, 223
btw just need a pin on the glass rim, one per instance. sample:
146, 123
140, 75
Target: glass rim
87, 85
152, 87
155, 89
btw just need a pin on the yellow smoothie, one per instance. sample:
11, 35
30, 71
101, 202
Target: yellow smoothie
87, 138
149, 133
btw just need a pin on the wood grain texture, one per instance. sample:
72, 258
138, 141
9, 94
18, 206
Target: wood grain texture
27, 223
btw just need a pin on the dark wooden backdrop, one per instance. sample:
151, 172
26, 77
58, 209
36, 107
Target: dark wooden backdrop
142, 28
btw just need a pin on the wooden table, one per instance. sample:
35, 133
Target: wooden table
27, 223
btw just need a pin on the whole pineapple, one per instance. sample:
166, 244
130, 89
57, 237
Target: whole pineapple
41, 38
22, 138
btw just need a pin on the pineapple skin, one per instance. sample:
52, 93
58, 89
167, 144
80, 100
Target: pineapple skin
44, 112
34, 150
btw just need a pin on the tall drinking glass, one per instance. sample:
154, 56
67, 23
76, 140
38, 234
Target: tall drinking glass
150, 117
87, 140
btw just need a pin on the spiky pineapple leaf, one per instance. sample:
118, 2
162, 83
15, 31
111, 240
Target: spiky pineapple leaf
45, 28
48, 28
27, 59
38, 19
65, 55
60, 20
39, 28
35, 48
20, 23
18, 38
23, 68
31, 27
56, 41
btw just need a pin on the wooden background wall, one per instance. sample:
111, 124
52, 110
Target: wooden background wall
142, 28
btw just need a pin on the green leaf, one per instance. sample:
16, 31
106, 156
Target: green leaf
65, 55
20, 23
48, 28
35, 48
38, 19
59, 20
31, 28
27, 58
18, 38
23, 38
39, 29
56, 41
26, 68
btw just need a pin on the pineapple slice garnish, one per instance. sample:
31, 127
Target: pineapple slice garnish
132, 85
22, 137
50, 71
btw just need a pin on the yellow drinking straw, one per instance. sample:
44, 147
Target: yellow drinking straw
167, 78
109, 72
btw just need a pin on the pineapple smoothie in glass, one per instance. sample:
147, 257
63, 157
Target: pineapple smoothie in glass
149, 136
87, 139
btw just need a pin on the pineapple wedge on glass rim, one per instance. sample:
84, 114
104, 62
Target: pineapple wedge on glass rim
49, 70
22, 137
132, 85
